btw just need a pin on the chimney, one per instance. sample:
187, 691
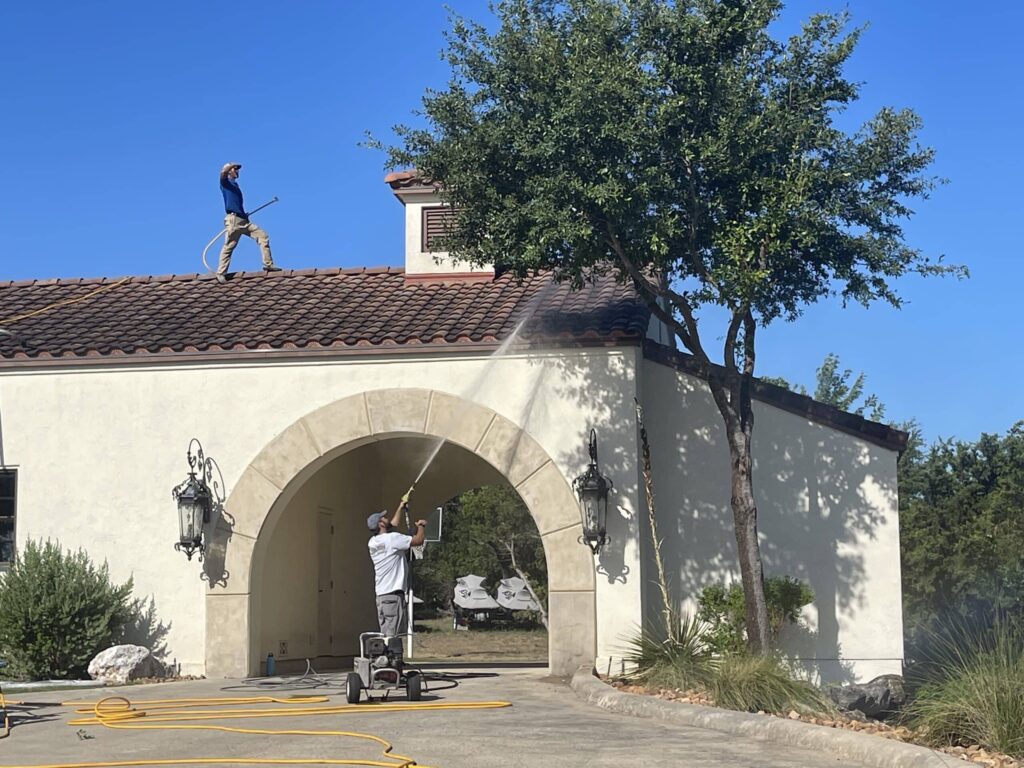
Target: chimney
426, 220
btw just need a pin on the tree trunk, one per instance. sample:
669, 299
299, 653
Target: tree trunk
511, 548
732, 395
748, 549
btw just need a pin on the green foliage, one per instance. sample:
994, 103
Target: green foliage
685, 661
681, 661
722, 610
762, 684
482, 530
834, 387
961, 533
57, 611
672, 138
970, 686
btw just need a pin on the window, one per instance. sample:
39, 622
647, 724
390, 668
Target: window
8, 485
437, 223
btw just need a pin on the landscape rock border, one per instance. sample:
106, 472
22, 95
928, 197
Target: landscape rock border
868, 750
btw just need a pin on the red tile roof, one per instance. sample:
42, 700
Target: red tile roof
302, 310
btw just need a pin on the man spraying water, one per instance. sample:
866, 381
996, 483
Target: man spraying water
389, 551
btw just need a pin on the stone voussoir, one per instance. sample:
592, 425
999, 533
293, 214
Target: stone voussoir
868, 750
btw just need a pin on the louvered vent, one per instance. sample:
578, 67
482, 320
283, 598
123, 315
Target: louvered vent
437, 223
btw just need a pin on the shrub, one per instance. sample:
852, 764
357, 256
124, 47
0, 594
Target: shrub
57, 611
682, 661
722, 610
762, 683
969, 688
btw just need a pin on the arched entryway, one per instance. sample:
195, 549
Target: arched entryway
238, 540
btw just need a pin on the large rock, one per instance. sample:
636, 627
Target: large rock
880, 698
122, 663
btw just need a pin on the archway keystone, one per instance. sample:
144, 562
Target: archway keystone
317, 438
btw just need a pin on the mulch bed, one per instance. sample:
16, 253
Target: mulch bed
974, 754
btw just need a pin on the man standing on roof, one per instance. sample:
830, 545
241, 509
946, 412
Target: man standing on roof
389, 550
236, 223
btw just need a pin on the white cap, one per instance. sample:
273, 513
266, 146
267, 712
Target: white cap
228, 166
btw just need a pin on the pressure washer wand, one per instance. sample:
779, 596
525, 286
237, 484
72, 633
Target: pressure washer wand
271, 202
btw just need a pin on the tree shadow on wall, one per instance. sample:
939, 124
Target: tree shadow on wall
600, 384
814, 516
145, 628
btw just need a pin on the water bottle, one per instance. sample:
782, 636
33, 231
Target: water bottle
270, 665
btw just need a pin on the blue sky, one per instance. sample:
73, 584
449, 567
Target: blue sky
115, 118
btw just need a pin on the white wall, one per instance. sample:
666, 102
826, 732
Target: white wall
98, 450
419, 261
827, 514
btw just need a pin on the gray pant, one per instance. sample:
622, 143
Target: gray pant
390, 612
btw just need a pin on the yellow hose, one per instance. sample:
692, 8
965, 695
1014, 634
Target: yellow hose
117, 712
64, 303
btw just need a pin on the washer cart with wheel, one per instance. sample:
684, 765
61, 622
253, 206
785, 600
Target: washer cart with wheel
379, 667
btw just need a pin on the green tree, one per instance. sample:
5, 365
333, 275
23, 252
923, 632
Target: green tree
834, 387
678, 146
487, 531
962, 532
58, 610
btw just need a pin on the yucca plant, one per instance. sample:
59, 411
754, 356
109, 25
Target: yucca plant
762, 684
970, 688
680, 661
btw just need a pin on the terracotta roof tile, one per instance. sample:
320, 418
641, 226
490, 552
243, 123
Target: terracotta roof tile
308, 308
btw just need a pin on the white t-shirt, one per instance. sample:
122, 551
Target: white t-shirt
387, 550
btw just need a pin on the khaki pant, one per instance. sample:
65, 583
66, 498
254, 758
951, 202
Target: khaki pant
236, 226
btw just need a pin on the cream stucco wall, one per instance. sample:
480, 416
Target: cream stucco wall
99, 448
827, 513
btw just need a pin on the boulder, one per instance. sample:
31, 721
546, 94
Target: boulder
878, 699
122, 663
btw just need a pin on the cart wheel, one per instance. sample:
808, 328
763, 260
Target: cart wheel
353, 684
413, 686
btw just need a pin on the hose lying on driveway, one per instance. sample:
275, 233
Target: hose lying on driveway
118, 712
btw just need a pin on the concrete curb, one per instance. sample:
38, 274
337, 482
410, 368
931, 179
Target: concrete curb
874, 751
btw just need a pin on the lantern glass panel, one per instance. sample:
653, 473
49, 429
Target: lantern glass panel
190, 518
590, 510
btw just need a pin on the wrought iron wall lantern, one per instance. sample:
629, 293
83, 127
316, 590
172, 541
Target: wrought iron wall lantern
592, 488
194, 501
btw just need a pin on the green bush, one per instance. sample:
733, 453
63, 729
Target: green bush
762, 684
969, 688
681, 662
722, 610
57, 611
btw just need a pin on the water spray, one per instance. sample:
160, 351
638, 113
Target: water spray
471, 393
225, 229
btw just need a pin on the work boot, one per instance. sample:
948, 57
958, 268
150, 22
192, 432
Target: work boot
271, 268
221, 277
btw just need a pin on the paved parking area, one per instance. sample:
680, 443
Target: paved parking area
546, 726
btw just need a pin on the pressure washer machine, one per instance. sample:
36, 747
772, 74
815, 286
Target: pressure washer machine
379, 667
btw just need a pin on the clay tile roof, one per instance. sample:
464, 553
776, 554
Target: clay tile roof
310, 309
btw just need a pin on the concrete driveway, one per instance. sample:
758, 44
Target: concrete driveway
547, 726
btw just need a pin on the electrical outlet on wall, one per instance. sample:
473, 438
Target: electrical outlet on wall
282, 649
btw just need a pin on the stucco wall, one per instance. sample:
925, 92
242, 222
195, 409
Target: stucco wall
827, 513
99, 449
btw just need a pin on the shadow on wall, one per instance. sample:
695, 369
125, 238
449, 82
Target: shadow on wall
813, 514
145, 629
600, 384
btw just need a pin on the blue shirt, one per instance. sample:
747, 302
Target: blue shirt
232, 197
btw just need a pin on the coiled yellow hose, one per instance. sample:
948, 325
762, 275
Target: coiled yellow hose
119, 713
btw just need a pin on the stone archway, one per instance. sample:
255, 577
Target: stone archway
317, 438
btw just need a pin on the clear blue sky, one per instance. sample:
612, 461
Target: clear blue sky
116, 116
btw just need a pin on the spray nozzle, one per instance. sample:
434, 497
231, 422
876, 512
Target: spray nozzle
405, 498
